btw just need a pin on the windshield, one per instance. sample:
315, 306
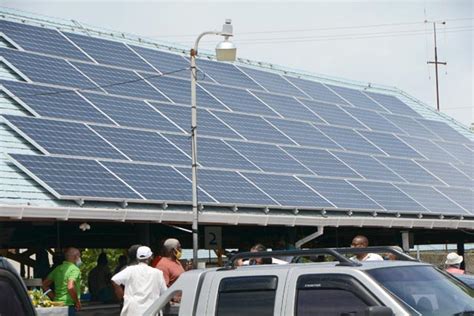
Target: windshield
427, 290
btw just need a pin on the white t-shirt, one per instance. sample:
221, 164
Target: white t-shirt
369, 257
143, 285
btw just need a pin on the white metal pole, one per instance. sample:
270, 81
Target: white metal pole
194, 158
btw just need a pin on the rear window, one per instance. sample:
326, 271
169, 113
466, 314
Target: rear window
247, 296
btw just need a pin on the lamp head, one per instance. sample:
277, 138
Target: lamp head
226, 50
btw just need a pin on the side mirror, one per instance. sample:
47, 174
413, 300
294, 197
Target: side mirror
378, 311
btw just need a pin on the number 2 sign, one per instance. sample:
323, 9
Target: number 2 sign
213, 237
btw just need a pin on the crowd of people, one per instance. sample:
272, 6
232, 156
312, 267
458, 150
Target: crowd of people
140, 278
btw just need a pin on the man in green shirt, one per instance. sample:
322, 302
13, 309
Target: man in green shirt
67, 281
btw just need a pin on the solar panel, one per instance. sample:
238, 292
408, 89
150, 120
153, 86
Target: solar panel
332, 114
120, 82
393, 104
40, 40
54, 102
428, 149
447, 173
431, 199
131, 113
231, 188
321, 162
109, 52
349, 139
239, 100
46, 69
317, 90
64, 138
288, 107
253, 128
374, 120
341, 193
212, 153
143, 146
391, 144
179, 91
288, 190
368, 167
466, 169
388, 196
159, 183
226, 74
410, 126
356, 98
269, 158
208, 124
273, 82
68, 178
444, 131
303, 133
463, 197
409, 170
459, 151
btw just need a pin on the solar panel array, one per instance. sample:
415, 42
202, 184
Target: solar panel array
112, 122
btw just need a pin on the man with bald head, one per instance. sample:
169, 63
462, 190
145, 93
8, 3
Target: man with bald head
169, 264
361, 241
67, 281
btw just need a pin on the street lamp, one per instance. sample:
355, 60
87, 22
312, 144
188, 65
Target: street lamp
225, 51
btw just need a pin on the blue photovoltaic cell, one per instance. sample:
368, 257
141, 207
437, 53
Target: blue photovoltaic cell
160, 183
341, 193
317, 90
40, 40
349, 139
55, 103
303, 133
131, 113
431, 199
447, 173
444, 131
463, 197
143, 146
288, 107
269, 158
332, 114
226, 74
109, 52
120, 82
428, 149
212, 153
356, 98
70, 177
393, 104
65, 138
409, 170
390, 197
459, 151
253, 128
368, 167
273, 82
239, 100
466, 169
374, 120
179, 91
410, 126
46, 69
391, 144
321, 162
208, 125
231, 188
287, 190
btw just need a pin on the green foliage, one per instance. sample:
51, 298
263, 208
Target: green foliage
89, 261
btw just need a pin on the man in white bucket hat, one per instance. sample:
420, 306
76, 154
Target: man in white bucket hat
453, 263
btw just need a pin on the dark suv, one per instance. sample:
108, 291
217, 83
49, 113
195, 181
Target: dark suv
14, 299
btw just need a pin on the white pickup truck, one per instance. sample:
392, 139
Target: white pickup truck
340, 288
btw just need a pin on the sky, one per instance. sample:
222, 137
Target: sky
383, 42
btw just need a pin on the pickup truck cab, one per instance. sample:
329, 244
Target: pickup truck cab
342, 288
